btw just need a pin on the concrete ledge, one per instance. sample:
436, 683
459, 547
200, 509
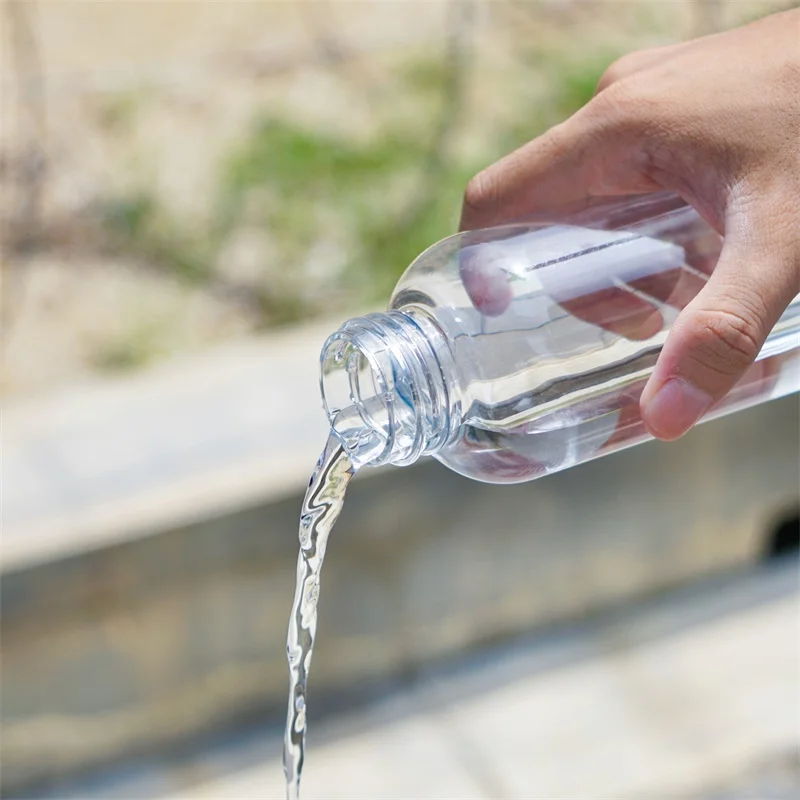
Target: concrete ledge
109, 460
694, 696
691, 695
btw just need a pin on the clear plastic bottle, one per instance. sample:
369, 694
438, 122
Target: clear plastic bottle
514, 352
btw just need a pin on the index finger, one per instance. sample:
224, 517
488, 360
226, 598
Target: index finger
589, 155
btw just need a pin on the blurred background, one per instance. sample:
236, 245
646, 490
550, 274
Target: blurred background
194, 194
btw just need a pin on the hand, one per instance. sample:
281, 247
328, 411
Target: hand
717, 121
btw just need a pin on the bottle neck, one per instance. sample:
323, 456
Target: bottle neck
387, 387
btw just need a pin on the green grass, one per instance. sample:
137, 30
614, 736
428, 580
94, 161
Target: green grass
571, 81
299, 175
118, 111
384, 199
578, 82
291, 156
133, 348
139, 225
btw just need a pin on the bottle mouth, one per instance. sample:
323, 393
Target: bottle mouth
382, 390
357, 397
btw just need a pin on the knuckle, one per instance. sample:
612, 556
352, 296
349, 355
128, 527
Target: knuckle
618, 105
481, 192
557, 142
616, 71
725, 341
624, 67
633, 113
608, 78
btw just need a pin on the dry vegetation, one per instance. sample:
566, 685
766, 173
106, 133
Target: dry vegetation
179, 173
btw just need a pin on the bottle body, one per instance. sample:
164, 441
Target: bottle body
542, 337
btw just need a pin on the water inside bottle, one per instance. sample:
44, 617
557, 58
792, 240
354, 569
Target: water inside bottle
321, 507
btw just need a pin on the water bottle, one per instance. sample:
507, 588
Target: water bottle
514, 352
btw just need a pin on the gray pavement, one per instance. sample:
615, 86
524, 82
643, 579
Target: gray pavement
694, 695
685, 698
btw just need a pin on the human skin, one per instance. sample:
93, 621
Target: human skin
717, 121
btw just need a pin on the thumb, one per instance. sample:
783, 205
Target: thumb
719, 334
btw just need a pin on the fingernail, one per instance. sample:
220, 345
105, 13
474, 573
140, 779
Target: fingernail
675, 407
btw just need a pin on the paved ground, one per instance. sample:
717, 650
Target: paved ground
695, 696
689, 712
